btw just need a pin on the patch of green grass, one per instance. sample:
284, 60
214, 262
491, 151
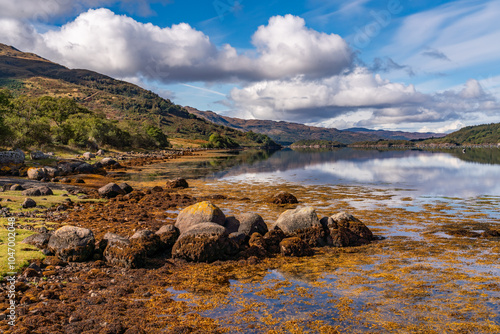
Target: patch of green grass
17, 199
23, 252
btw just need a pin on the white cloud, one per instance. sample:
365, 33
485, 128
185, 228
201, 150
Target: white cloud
359, 98
44, 10
120, 46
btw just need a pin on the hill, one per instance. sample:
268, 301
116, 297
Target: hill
26, 74
486, 134
287, 133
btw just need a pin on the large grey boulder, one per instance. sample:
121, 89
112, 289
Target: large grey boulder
121, 252
111, 190
303, 223
205, 242
71, 243
198, 213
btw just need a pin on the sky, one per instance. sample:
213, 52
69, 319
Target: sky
394, 64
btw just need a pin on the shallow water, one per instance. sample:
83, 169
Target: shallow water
432, 272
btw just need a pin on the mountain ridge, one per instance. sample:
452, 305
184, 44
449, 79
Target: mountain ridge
287, 133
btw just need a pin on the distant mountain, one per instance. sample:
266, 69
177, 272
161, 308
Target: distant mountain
398, 135
28, 74
287, 133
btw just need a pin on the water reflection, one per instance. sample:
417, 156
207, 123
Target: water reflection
429, 173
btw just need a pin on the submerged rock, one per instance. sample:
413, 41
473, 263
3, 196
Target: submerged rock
204, 242
71, 243
284, 197
198, 213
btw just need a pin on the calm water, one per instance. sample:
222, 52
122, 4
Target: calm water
475, 173
424, 277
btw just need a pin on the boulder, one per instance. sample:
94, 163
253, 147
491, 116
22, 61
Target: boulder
251, 223
38, 191
37, 155
71, 243
28, 203
284, 197
88, 155
231, 224
295, 246
303, 223
177, 183
36, 173
108, 162
126, 188
12, 157
147, 240
347, 230
84, 168
50, 172
100, 152
198, 213
168, 236
110, 190
119, 251
16, 187
39, 240
204, 242
272, 240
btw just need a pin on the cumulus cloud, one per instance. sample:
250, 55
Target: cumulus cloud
43, 10
380, 102
120, 46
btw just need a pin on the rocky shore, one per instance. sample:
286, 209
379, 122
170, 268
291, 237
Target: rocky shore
105, 261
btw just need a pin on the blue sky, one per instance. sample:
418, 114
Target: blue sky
395, 64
